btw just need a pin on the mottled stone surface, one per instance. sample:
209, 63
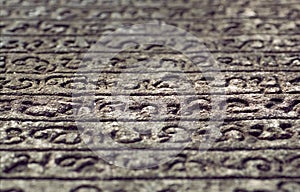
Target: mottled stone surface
45, 146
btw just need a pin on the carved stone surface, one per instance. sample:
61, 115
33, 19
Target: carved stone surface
256, 46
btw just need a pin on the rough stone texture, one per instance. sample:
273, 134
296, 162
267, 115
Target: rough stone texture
256, 43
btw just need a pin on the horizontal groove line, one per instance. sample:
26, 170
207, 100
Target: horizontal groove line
151, 178
120, 6
185, 149
239, 52
168, 120
145, 19
89, 35
109, 21
87, 51
141, 94
118, 72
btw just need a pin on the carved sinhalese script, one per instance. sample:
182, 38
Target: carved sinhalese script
45, 44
